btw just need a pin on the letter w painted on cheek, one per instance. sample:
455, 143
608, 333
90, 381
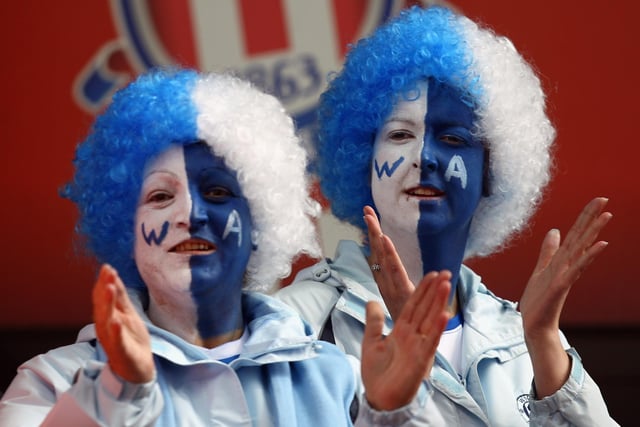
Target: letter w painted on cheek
151, 237
385, 167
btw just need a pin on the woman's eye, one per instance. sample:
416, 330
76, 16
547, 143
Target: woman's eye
453, 140
159, 197
400, 135
217, 193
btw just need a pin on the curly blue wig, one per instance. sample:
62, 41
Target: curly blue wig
495, 81
142, 120
248, 128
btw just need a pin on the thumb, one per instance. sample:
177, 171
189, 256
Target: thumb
549, 247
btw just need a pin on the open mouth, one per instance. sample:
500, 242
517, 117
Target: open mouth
424, 192
193, 246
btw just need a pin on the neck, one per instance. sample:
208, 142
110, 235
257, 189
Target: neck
207, 325
434, 252
219, 340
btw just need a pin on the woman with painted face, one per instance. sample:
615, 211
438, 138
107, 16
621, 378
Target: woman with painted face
192, 192
437, 128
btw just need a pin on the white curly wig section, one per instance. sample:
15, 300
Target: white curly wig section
514, 125
257, 139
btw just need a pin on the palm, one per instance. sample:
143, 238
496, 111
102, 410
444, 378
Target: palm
393, 367
121, 330
559, 266
392, 279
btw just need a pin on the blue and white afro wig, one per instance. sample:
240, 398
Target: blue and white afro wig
496, 81
245, 126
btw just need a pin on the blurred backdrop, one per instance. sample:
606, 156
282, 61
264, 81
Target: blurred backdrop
65, 59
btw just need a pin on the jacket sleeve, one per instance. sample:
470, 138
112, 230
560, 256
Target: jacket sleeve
411, 415
577, 403
67, 386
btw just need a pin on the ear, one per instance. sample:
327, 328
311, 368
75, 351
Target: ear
486, 173
254, 239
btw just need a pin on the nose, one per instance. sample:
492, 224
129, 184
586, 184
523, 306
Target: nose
198, 215
427, 159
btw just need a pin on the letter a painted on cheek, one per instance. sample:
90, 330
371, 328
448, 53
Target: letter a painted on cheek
234, 225
457, 169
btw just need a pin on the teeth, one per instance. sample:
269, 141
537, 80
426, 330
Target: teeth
193, 246
423, 192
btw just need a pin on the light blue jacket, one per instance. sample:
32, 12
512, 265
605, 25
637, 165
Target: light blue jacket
495, 388
282, 378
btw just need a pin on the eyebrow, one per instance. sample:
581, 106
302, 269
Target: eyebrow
156, 171
400, 119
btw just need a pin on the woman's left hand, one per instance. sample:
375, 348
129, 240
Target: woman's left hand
559, 266
393, 367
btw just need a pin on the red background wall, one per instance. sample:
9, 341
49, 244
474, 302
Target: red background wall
587, 54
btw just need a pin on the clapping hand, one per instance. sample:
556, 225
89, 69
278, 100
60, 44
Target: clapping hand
121, 330
559, 266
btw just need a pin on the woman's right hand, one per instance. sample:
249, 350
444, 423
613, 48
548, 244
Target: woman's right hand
391, 277
121, 330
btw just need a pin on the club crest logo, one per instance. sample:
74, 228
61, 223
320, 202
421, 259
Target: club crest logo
285, 47
523, 406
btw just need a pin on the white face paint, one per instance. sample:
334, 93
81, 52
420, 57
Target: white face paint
234, 225
193, 240
162, 222
396, 159
427, 176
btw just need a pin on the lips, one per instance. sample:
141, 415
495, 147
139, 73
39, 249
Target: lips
424, 192
194, 246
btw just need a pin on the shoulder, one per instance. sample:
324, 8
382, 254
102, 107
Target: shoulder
331, 365
472, 289
54, 370
322, 283
313, 293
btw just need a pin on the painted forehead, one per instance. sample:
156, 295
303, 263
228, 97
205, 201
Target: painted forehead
165, 158
202, 157
445, 103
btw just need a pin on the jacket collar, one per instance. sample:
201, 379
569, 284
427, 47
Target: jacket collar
276, 333
485, 332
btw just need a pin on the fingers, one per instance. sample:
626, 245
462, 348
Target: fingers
579, 250
103, 295
390, 275
431, 315
109, 292
110, 304
382, 248
588, 225
374, 232
576, 268
396, 287
374, 322
429, 301
548, 249
122, 302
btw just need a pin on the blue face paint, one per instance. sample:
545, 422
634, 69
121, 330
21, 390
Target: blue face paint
458, 170
452, 161
220, 215
426, 204
234, 225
